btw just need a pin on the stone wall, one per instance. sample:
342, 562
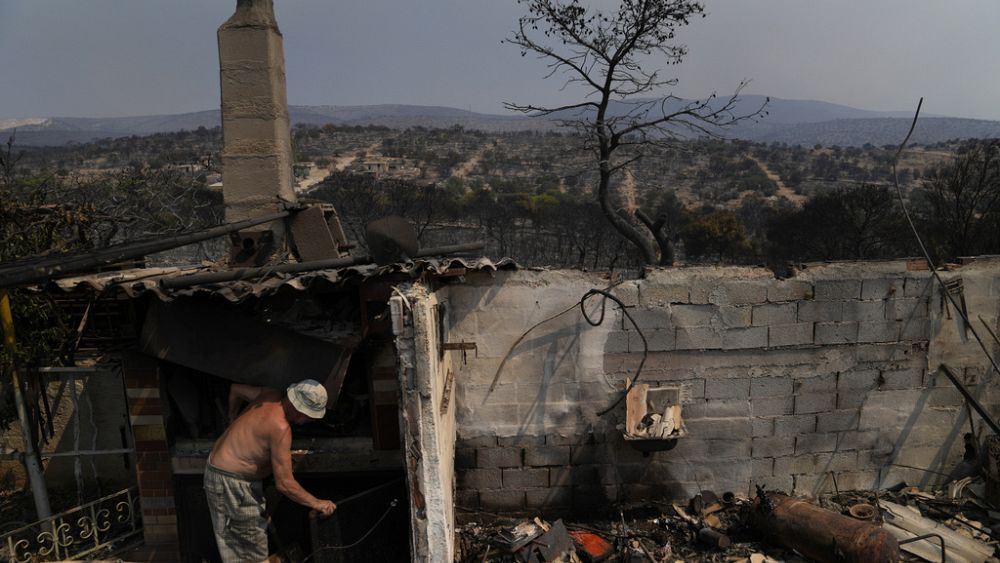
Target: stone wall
830, 375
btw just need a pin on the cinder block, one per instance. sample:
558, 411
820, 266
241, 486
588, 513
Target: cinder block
815, 402
774, 314
906, 309
712, 450
649, 317
813, 443
902, 379
498, 457
851, 398
830, 290
794, 425
627, 292
744, 338
837, 421
881, 288
502, 500
857, 480
735, 317
657, 340
878, 331
836, 333
773, 446
874, 418
772, 406
859, 440
727, 407
915, 330
478, 478
761, 467
798, 334
581, 455
864, 311
859, 380
820, 463
546, 455
916, 287
617, 342
737, 388
662, 294
468, 499
520, 440
525, 478
789, 290
476, 442
819, 384
820, 311
995, 287
698, 338
762, 426
726, 428
465, 458
552, 497
813, 484
770, 387
740, 293
692, 315
574, 439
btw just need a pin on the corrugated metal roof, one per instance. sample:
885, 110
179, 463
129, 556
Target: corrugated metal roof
136, 282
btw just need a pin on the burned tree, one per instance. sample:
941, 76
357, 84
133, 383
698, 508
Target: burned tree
606, 55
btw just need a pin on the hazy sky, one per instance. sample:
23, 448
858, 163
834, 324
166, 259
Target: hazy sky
135, 57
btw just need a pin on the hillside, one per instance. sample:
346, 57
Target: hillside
802, 122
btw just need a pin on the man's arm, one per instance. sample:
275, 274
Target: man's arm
281, 466
240, 394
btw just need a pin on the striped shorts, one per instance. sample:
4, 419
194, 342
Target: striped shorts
236, 504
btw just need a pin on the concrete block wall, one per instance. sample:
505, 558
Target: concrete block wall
831, 375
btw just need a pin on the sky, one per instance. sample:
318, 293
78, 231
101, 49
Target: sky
106, 58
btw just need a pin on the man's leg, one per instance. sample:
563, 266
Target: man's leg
237, 508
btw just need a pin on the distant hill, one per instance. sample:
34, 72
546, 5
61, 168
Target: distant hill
803, 122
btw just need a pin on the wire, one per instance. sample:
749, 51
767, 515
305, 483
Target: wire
923, 249
363, 538
582, 305
645, 344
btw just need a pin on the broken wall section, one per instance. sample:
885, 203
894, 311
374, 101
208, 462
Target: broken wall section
788, 383
426, 381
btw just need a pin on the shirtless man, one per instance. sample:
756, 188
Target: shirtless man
256, 444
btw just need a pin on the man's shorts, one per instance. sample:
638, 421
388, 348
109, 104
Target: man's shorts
237, 507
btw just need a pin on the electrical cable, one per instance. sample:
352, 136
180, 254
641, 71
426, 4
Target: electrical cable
645, 344
923, 249
582, 305
363, 538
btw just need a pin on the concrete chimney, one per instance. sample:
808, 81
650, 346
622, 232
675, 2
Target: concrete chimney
257, 176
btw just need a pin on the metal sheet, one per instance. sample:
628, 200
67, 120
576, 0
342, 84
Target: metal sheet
134, 283
238, 347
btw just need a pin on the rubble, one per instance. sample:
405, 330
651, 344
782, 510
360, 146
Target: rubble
903, 524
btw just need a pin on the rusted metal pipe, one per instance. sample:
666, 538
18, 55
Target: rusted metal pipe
821, 534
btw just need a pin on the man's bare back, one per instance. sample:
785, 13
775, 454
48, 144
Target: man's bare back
245, 447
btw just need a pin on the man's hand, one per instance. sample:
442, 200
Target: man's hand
325, 507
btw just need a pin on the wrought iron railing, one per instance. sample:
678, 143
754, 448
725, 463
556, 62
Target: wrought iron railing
103, 526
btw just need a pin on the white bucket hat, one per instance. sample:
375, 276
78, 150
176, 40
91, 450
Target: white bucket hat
308, 397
